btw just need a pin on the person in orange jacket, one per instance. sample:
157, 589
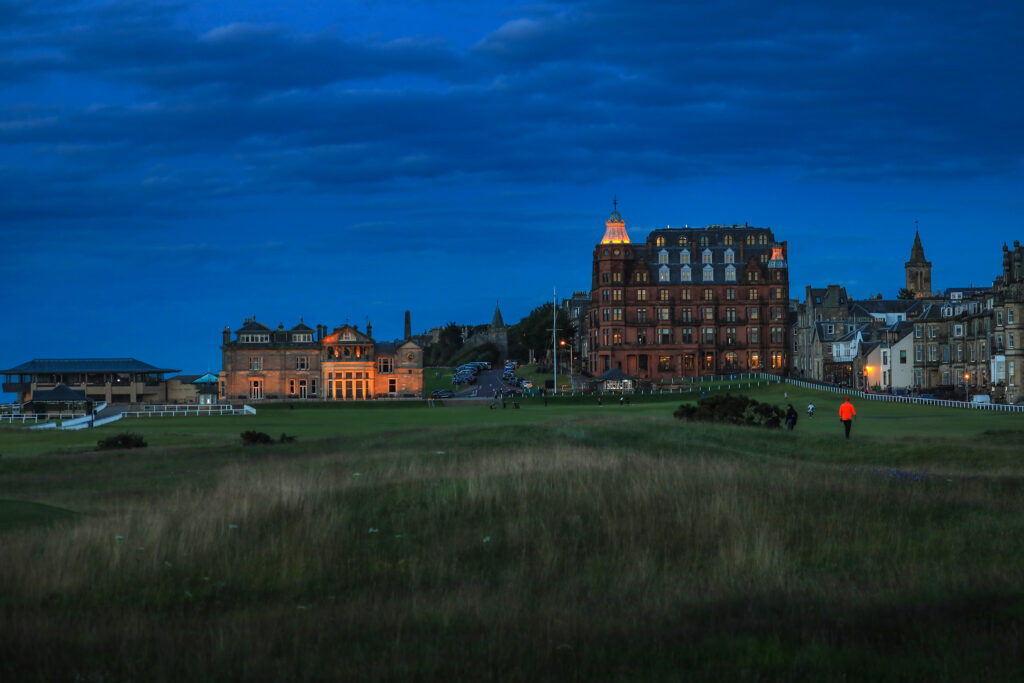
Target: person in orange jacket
846, 413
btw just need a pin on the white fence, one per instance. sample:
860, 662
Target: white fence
890, 398
186, 410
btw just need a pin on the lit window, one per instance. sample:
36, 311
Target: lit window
685, 274
730, 256
684, 256
706, 256
660, 241
730, 273
708, 274
662, 257
663, 275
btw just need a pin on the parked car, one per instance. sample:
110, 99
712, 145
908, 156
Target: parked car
442, 393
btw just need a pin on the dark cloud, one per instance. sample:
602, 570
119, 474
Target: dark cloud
560, 92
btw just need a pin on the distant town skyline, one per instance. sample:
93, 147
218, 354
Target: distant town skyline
171, 168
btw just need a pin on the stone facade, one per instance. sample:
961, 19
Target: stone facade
688, 302
305, 364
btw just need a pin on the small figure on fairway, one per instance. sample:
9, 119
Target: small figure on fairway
846, 413
598, 400
810, 410
791, 417
622, 400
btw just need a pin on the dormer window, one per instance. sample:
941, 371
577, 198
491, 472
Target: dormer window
730, 256
663, 275
705, 256
684, 256
662, 256
730, 273
685, 274
709, 274
254, 338
300, 337
659, 241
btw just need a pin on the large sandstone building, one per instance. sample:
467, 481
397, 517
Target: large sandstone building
688, 302
301, 363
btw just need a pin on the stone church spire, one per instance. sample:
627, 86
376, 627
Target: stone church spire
497, 321
918, 269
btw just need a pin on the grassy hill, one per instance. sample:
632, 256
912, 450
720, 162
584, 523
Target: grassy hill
567, 542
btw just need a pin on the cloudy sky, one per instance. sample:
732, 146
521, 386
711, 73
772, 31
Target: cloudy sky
170, 168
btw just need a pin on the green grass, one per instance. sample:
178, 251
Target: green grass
566, 542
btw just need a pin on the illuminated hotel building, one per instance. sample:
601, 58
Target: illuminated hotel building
689, 302
301, 363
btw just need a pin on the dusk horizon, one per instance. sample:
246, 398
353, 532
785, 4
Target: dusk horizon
171, 169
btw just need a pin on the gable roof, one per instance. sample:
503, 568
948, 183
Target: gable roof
61, 392
613, 374
340, 331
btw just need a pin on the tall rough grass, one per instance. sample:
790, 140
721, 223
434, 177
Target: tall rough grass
608, 553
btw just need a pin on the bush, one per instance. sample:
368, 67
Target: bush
735, 410
252, 437
126, 440
286, 439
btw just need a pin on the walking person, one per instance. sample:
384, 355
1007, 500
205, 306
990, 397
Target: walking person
791, 417
846, 414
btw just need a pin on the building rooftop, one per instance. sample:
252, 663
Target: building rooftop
85, 365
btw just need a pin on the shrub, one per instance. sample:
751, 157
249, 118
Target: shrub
729, 409
126, 440
252, 437
286, 439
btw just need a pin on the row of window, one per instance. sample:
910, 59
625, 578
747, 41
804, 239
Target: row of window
705, 240
947, 376
264, 337
686, 294
707, 335
384, 365
347, 387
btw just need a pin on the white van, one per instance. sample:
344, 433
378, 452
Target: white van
981, 398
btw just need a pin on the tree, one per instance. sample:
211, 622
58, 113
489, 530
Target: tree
534, 332
448, 344
905, 293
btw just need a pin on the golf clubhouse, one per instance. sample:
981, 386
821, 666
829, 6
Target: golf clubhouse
110, 380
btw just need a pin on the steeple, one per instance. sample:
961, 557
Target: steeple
615, 227
918, 269
497, 321
917, 251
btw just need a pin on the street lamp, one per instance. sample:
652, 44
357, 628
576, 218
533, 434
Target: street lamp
563, 345
967, 377
867, 371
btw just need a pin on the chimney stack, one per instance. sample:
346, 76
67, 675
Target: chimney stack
408, 325
227, 334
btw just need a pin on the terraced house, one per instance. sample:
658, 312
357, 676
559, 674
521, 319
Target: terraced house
302, 363
688, 302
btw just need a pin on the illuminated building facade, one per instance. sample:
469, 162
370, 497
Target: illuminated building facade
688, 302
306, 364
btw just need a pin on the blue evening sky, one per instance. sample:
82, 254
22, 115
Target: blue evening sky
168, 168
